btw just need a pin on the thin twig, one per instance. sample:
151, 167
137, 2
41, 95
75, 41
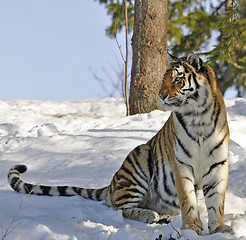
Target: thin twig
119, 46
10, 228
175, 230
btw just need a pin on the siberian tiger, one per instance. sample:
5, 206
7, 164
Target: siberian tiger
190, 152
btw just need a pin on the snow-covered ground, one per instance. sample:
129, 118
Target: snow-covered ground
83, 143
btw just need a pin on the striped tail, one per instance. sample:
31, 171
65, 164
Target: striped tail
19, 186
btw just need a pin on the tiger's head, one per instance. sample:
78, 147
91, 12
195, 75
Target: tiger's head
186, 83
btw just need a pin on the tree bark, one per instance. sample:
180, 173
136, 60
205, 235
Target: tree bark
149, 43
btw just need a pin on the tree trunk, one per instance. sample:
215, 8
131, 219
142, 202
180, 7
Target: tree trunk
149, 43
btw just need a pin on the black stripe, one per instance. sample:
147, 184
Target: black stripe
191, 208
156, 175
28, 188
98, 194
138, 150
20, 168
195, 95
110, 190
125, 196
213, 167
195, 81
166, 147
205, 98
62, 190
189, 80
126, 170
117, 175
90, 193
181, 121
45, 190
171, 203
150, 164
166, 187
188, 165
155, 180
185, 90
77, 190
164, 180
212, 208
172, 177
139, 166
186, 68
206, 188
187, 178
215, 121
134, 190
206, 109
218, 145
119, 205
129, 160
122, 184
214, 108
212, 194
128, 182
207, 75
187, 153
14, 181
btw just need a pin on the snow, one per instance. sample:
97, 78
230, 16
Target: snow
83, 143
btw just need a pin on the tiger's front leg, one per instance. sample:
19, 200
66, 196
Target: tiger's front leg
214, 187
189, 208
184, 179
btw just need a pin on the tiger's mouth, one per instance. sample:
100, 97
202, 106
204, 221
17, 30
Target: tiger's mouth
162, 99
170, 103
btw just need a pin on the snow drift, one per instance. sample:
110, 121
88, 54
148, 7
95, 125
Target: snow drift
83, 143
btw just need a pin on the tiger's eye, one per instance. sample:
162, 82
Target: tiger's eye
178, 79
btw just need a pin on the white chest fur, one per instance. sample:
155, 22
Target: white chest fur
199, 143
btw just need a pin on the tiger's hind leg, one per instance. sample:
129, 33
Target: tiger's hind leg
129, 188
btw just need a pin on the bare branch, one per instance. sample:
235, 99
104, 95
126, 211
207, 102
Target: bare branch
119, 46
11, 226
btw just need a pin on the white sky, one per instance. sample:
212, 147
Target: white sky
48, 46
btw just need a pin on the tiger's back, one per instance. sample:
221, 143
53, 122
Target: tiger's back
190, 152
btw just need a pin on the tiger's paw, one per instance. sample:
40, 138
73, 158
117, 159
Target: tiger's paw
165, 219
195, 226
149, 217
223, 229
142, 215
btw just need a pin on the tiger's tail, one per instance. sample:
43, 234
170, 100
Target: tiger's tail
19, 186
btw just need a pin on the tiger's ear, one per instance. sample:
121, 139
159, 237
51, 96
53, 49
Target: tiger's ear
171, 58
194, 61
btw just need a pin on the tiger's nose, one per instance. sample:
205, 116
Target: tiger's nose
163, 97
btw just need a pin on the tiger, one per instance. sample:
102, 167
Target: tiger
161, 178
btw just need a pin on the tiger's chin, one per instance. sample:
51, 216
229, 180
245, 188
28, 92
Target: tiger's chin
176, 105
